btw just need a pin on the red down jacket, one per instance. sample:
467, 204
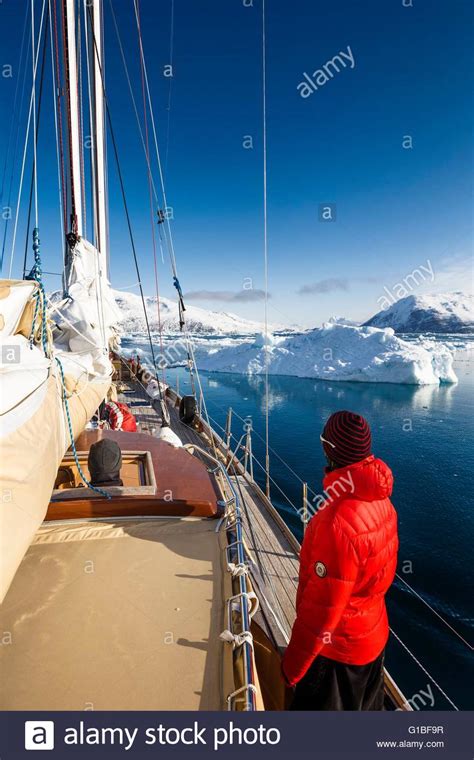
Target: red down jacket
120, 417
347, 564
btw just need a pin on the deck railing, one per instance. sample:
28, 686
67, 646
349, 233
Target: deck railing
235, 551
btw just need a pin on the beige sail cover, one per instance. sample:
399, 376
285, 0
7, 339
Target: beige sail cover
34, 433
29, 460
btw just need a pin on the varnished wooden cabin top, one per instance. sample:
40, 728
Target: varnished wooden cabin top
184, 486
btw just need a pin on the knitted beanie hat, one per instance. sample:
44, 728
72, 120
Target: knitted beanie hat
105, 460
346, 438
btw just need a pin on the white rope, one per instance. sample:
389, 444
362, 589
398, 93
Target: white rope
434, 612
236, 639
238, 569
35, 66
251, 597
265, 249
423, 669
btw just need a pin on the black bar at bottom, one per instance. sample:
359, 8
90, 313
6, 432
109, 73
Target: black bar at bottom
336, 736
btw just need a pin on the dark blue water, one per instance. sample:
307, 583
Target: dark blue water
425, 435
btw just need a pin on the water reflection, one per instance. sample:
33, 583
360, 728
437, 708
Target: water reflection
321, 395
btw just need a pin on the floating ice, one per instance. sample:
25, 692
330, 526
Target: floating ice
337, 351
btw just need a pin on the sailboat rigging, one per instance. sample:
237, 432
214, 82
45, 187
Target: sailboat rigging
189, 526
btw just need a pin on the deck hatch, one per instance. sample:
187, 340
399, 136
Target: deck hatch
137, 474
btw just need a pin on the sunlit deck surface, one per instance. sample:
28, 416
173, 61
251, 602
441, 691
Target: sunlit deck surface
117, 614
272, 548
270, 544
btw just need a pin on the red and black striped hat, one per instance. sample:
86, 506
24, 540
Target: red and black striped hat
346, 438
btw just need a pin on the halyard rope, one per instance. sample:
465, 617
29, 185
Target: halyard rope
71, 435
265, 249
37, 275
22, 174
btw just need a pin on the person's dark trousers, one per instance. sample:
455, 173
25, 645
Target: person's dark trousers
331, 685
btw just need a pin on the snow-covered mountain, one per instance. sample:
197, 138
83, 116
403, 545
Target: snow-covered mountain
199, 321
442, 313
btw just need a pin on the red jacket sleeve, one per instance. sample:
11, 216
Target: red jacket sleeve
305, 561
328, 571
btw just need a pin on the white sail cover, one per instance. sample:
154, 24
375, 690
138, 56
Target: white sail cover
34, 427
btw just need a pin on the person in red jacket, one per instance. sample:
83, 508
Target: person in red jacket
119, 417
347, 564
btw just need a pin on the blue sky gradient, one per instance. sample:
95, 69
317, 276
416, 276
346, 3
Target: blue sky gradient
396, 208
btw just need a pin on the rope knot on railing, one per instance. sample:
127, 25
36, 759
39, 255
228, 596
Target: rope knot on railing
238, 569
237, 639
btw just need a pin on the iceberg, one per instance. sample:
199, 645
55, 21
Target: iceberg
337, 351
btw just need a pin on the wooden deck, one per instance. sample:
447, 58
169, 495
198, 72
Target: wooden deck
270, 546
272, 549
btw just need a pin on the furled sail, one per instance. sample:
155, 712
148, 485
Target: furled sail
45, 398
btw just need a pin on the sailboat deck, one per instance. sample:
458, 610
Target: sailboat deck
123, 614
268, 542
270, 546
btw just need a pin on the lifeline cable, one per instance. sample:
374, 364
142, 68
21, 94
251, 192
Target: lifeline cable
152, 221
265, 248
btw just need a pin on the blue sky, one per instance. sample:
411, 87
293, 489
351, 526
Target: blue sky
396, 208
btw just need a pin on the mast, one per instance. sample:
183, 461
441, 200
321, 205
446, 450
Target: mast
100, 194
73, 112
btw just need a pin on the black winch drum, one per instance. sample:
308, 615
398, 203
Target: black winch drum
187, 409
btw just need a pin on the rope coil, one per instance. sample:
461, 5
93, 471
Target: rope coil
36, 274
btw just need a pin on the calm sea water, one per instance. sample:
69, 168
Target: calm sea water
425, 435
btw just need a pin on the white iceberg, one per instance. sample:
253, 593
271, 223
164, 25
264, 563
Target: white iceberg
336, 351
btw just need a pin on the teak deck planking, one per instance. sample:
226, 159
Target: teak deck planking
271, 547
274, 557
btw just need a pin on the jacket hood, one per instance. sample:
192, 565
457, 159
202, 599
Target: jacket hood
368, 480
